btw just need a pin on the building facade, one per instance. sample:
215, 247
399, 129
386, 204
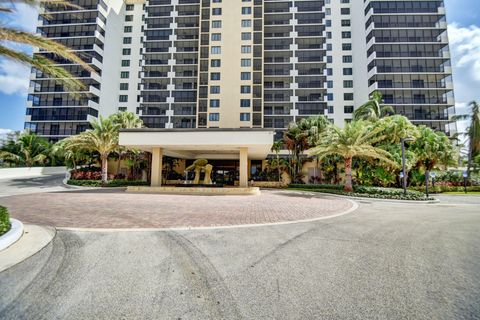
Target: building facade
244, 63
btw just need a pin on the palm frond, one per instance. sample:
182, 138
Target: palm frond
49, 45
45, 65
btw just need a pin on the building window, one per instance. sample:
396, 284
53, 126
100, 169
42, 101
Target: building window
348, 84
245, 103
126, 52
125, 63
124, 74
214, 117
348, 96
216, 24
129, 17
346, 23
244, 116
347, 59
216, 11
346, 46
216, 36
246, 23
127, 40
246, 76
246, 36
214, 103
347, 71
215, 63
215, 76
129, 7
246, 49
123, 86
245, 89
246, 10
348, 109
216, 50
246, 62
215, 89
127, 29
123, 98
346, 34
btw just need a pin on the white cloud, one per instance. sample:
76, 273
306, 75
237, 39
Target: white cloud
4, 132
465, 51
14, 77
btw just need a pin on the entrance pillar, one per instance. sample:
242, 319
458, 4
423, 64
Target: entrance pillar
243, 167
157, 165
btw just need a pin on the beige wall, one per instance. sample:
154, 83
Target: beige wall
230, 70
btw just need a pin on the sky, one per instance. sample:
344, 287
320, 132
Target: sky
464, 32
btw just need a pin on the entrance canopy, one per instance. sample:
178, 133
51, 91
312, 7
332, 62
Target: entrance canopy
210, 143
215, 144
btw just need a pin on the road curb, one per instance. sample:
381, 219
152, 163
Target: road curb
35, 239
13, 235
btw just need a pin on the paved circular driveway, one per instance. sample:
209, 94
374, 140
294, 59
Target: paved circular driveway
118, 209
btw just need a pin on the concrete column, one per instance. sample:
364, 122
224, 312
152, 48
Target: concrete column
243, 167
157, 165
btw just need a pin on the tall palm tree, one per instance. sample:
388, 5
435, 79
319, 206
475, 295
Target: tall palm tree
296, 141
473, 133
433, 148
373, 110
126, 120
38, 61
355, 140
28, 150
102, 138
276, 147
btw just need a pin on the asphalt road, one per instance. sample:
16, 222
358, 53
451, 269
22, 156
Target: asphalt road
384, 261
34, 184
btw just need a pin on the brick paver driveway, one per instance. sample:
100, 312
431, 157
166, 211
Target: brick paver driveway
118, 209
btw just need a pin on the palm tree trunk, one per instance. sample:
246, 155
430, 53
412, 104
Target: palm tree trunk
104, 159
348, 175
278, 168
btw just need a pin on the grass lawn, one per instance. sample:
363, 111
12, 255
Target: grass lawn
470, 193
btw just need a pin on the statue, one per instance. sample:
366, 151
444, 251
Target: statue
200, 165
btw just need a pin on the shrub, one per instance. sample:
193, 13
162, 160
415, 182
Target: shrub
110, 183
365, 192
4, 220
86, 175
316, 186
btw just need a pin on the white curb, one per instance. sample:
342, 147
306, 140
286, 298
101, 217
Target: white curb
12, 236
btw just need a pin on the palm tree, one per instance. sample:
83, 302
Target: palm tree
473, 133
373, 110
102, 138
355, 140
29, 149
433, 148
38, 61
296, 141
125, 120
276, 147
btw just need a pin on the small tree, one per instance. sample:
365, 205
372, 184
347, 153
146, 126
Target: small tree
373, 110
28, 150
356, 140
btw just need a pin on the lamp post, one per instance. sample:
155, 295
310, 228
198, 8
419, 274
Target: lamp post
404, 173
433, 175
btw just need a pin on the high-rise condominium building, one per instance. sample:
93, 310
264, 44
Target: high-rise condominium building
244, 63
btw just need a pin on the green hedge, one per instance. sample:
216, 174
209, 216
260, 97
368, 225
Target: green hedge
365, 192
4, 220
316, 186
110, 183
441, 189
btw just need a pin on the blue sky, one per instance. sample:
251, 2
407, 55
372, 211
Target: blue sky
464, 32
